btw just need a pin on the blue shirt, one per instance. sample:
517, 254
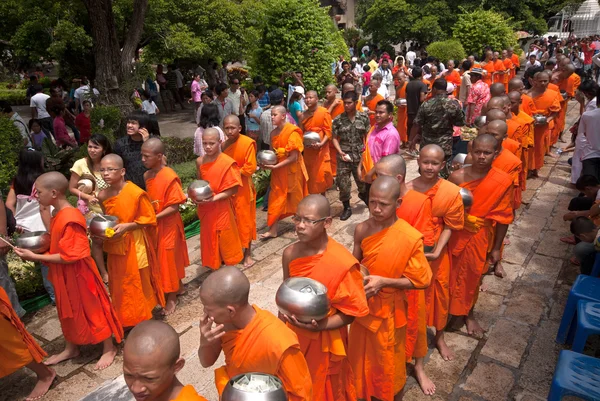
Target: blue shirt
294, 109
251, 124
264, 101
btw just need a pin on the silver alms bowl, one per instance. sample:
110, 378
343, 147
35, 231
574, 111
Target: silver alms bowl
266, 158
199, 190
467, 198
98, 225
36, 242
480, 121
254, 386
400, 102
310, 138
540, 119
304, 298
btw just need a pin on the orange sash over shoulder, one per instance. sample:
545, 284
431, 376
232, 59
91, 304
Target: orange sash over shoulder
165, 190
266, 345
336, 111
17, 347
401, 114
134, 281
371, 105
243, 151
546, 104
325, 351
188, 393
219, 237
508, 161
288, 184
499, 71
366, 162
318, 164
84, 309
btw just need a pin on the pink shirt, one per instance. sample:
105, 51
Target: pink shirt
383, 142
196, 91
479, 95
60, 132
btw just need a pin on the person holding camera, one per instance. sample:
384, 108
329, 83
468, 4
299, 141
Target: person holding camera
577, 58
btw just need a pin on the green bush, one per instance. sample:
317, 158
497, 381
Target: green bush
179, 150
11, 143
359, 45
61, 160
188, 213
261, 180
106, 120
186, 171
480, 28
13, 96
45, 82
447, 50
28, 277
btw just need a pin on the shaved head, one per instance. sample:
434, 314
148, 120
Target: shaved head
348, 88
542, 75
232, 119
498, 129
113, 159
391, 165
485, 139
213, 133
316, 203
53, 180
495, 114
154, 145
514, 96
387, 187
313, 93
332, 87
497, 89
155, 341
515, 84
226, 286
280, 109
497, 102
432, 150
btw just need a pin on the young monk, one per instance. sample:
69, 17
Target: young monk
415, 208
151, 361
448, 217
489, 216
499, 69
510, 144
133, 268
252, 339
335, 107
18, 349
219, 237
488, 66
317, 119
401, 116
84, 310
324, 342
377, 353
372, 99
567, 81
288, 176
165, 191
516, 84
242, 149
527, 139
509, 67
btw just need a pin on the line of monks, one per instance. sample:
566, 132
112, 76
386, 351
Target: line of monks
424, 253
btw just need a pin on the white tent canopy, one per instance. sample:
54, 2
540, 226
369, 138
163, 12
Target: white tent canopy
586, 20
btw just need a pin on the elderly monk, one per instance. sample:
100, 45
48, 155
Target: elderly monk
415, 208
321, 258
18, 348
165, 191
317, 119
527, 128
567, 81
448, 216
219, 236
547, 103
488, 66
401, 117
288, 176
242, 149
133, 268
372, 99
84, 310
508, 67
488, 217
378, 354
151, 360
252, 339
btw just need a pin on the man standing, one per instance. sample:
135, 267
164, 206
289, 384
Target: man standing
479, 95
372, 99
385, 72
465, 83
239, 99
17, 120
436, 119
38, 109
276, 98
350, 130
499, 69
171, 77
224, 104
416, 92
401, 104
509, 67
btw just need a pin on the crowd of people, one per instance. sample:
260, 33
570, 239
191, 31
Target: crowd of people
416, 262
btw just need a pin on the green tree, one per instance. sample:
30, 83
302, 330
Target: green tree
480, 28
447, 50
11, 143
298, 35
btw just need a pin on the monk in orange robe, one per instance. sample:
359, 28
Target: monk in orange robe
318, 165
448, 216
252, 339
490, 215
324, 343
219, 237
415, 209
18, 348
508, 67
515, 60
401, 117
453, 76
133, 268
372, 99
568, 82
153, 346
506, 161
488, 66
84, 310
335, 107
242, 149
499, 109
527, 128
288, 176
547, 103
378, 351
165, 191
499, 69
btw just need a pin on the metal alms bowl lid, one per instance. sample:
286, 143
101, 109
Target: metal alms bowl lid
254, 386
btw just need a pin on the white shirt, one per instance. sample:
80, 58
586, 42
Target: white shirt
589, 125
596, 61
410, 57
383, 91
149, 107
535, 64
20, 124
82, 93
179, 76
386, 75
236, 98
39, 102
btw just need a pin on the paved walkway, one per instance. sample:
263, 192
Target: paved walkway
521, 313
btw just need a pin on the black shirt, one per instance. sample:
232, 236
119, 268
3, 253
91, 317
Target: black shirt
131, 153
413, 95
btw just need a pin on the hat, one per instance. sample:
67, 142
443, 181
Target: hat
477, 70
276, 96
299, 89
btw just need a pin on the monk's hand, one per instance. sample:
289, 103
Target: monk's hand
373, 284
122, 228
312, 326
209, 334
144, 133
432, 255
25, 254
493, 257
212, 198
269, 166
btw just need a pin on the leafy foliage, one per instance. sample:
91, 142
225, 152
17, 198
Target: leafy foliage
61, 160
106, 120
480, 28
11, 143
447, 50
27, 276
261, 180
179, 150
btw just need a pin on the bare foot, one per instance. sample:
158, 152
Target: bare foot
483, 287
108, 355
44, 382
553, 155
68, 353
249, 262
105, 278
506, 241
170, 304
427, 386
266, 236
473, 327
440, 343
499, 270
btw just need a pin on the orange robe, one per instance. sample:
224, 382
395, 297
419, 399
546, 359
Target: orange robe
448, 212
516, 63
508, 162
243, 151
188, 393
489, 67
553, 138
337, 110
371, 105
133, 269
415, 209
219, 237
377, 354
492, 203
546, 104
526, 144
265, 345
84, 310
499, 71
317, 161
326, 351
288, 184
570, 86
165, 190
508, 65
17, 347
401, 114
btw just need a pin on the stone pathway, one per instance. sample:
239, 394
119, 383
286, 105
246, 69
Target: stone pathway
514, 361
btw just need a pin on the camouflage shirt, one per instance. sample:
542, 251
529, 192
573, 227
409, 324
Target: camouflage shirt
351, 135
437, 117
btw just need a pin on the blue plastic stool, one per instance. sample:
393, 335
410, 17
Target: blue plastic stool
577, 375
596, 268
584, 287
588, 323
